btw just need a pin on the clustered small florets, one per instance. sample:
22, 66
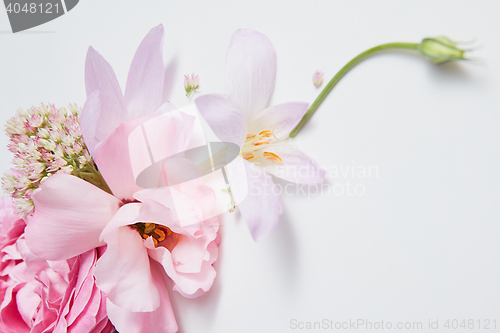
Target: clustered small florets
45, 141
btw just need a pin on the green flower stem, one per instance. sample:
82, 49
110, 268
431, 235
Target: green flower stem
314, 106
90, 174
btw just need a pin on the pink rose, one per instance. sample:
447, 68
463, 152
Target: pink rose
46, 296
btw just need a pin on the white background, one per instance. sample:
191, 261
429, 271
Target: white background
422, 242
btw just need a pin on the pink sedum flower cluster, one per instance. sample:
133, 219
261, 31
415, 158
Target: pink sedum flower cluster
45, 141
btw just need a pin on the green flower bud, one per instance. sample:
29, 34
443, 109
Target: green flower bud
440, 50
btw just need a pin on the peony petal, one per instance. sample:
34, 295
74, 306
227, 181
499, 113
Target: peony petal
262, 207
100, 75
295, 167
89, 120
10, 317
69, 217
161, 320
124, 272
281, 119
225, 118
143, 93
250, 71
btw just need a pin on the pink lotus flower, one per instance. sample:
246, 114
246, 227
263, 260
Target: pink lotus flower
243, 117
42, 296
146, 242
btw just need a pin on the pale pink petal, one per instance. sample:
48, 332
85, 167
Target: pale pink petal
250, 71
189, 265
262, 207
70, 214
236, 174
100, 75
189, 285
124, 272
114, 162
148, 211
187, 204
89, 120
126, 215
281, 119
168, 80
295, 167
224, 116
143, 93
161, 320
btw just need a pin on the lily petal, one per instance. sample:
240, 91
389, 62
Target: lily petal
100, 75
250, 71
144, 90
161, 320
295, 166
70, 214
89, 120
281, 119
124, 272
262, 207
224, 116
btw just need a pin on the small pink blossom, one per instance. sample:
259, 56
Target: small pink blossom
191, 84
317, 78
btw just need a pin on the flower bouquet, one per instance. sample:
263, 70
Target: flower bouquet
114, 206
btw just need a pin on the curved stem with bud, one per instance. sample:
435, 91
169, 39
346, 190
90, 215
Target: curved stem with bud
438, 50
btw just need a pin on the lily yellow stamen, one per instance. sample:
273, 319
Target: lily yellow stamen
260, 141
272, 157
266, 133
249, 136
247, 156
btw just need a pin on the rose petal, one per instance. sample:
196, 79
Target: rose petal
262, 207
124, 272
100, 75
250, 71
225, 118
143, 93
70, 214
281, 119
161, 320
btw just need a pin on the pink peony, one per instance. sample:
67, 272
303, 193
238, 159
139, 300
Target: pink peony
46, 296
